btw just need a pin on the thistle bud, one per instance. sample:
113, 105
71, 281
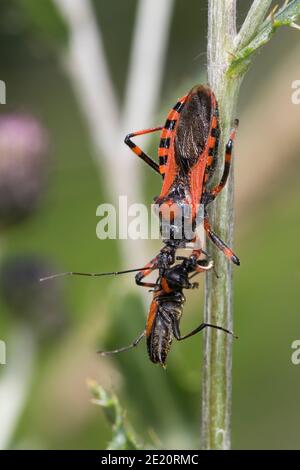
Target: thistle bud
23, 149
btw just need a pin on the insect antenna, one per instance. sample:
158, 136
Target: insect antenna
75, 273
125, 348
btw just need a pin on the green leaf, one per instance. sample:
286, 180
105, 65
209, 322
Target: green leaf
123, 437
285, 16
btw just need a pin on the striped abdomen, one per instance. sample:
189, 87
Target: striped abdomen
160, 326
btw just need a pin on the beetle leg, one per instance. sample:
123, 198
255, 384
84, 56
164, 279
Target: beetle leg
148, 269
125, 348
178, 336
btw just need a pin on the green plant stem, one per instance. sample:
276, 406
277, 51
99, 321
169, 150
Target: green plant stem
123, 437
216, 390
229, 56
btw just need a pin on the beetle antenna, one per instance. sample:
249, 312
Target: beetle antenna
75, 273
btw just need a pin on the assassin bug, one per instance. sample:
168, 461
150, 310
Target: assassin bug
188, 152
166, 309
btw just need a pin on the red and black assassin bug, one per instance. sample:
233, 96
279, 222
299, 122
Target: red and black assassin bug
166, 309
188, 152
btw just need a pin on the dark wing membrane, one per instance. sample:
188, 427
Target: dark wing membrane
193, 128
159, 341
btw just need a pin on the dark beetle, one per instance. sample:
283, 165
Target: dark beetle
166, 309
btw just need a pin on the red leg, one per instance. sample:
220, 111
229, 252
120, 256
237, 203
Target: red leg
138, 151
201, 268
148, 269
219, 243
193, 264
195, 255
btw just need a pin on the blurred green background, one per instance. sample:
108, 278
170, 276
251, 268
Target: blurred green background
59, 234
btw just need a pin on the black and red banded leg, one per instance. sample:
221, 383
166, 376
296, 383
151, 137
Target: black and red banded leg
191, 261
219, 243
148, 269
138, 151
194, 265
228, 155
203, 266
213, 146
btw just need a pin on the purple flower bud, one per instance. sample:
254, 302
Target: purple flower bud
23, 150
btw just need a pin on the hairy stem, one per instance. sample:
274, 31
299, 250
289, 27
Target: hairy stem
229, 56
216, 400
